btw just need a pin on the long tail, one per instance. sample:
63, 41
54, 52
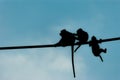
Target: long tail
101, 58
72, 49
77, 48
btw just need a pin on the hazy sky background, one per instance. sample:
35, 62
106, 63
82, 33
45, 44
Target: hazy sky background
30, 22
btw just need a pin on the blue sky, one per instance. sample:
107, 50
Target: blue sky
29, 22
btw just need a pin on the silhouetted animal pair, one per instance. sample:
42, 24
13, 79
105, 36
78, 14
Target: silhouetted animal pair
81, 36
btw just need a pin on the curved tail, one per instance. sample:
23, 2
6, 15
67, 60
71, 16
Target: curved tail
72, 49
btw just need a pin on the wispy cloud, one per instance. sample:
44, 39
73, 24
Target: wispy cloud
37, 65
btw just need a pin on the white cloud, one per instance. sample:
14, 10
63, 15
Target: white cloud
37, 65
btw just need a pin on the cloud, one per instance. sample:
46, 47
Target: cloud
37, 65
